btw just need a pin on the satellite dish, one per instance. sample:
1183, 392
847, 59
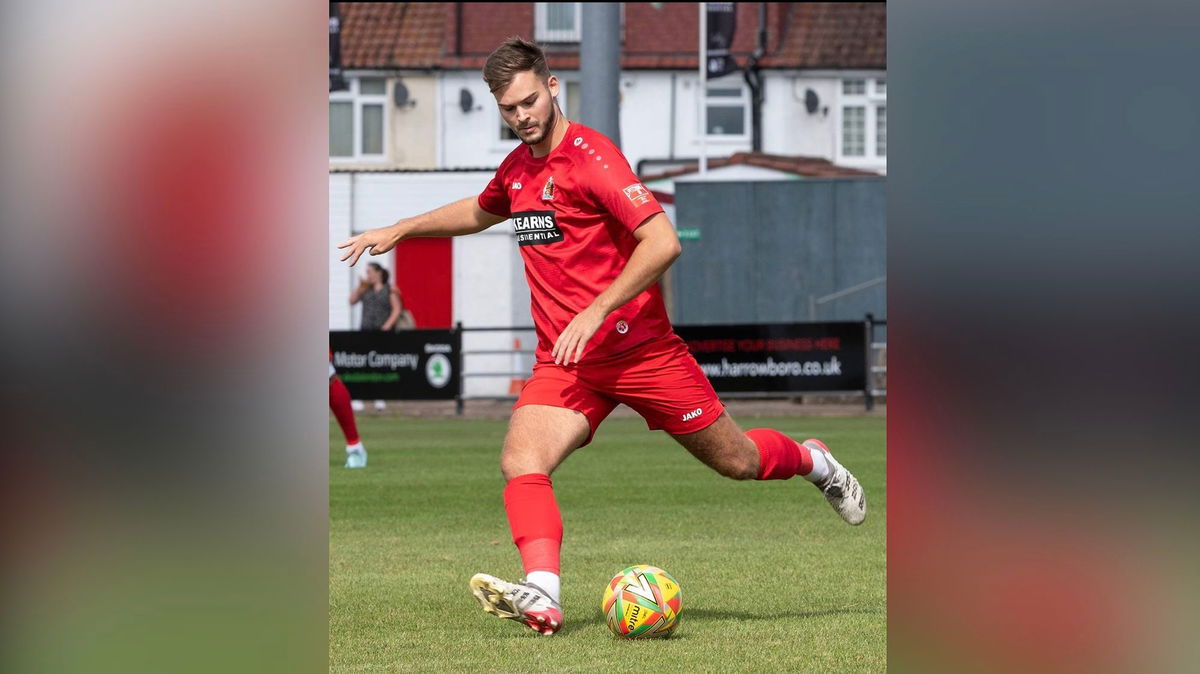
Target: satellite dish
400, 96
465, 100
811, 101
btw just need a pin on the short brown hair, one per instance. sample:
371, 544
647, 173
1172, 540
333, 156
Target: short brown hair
514, 55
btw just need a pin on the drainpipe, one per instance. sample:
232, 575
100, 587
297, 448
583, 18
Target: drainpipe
753, 75
671, 150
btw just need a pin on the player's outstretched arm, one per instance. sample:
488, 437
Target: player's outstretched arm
455, 219
657, 248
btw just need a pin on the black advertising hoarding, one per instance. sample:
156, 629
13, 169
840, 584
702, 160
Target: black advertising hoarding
780, 357
721, 26
408, 365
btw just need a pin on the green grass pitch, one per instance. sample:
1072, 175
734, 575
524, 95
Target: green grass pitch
772, 580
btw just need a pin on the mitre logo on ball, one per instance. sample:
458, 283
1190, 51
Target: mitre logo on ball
642, 602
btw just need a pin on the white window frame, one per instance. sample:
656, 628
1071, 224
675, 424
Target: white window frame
728, 82
352, 95
872, 97
544, 34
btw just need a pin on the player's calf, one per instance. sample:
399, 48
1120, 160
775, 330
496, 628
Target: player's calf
735, 465
723, 447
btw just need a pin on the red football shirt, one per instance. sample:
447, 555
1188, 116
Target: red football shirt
574, 212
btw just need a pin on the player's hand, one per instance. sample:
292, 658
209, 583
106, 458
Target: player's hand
569, 347
377, 241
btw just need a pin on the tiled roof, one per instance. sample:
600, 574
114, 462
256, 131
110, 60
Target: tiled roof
833, 35
392, 35
657, 35
809, 167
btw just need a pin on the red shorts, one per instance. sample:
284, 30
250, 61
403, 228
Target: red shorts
660, 380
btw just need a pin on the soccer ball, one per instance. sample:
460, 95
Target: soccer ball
642, 602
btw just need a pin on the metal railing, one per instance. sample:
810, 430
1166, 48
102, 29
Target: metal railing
874, 348
464, 374
813, 300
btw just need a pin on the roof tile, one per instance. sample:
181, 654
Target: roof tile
392, 35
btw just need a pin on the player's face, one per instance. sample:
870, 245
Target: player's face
527, 106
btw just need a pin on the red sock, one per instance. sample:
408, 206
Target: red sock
339, 402
779, 457
533, 517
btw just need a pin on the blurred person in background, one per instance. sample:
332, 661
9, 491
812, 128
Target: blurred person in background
382, 308
339, 404
595, 243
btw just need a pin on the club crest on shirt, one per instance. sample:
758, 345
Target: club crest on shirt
548, 190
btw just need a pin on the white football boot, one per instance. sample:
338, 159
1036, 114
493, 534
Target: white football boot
523, 602
841, 488
356, 457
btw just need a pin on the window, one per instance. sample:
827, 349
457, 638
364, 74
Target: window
357, 120
854, 135
727, 109
863, 119
557, 21
881, 131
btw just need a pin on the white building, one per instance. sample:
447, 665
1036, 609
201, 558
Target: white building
422, 104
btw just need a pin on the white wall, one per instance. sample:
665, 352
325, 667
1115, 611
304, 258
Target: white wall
645, 115
788, 128
470, 139
340, 315
413, 131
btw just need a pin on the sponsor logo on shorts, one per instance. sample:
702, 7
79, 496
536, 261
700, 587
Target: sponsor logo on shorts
693, 414
622, 327
637, 194
535, 228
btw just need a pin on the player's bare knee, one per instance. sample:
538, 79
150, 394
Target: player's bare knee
514, 462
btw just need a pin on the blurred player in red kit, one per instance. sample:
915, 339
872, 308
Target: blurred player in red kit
595, 243
339, 403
